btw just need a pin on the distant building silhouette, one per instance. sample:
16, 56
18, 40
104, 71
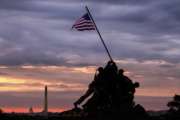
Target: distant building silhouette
1, 111
31, 110
45, 100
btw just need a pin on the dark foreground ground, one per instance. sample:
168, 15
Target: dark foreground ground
59, 116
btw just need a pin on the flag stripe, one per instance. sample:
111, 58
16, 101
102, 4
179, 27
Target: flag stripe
84, 22
82, 25
83, 29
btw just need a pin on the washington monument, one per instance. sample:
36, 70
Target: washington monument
45, 100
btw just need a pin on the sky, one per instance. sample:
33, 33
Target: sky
38, 48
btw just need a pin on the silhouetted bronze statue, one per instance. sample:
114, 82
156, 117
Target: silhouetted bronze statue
111, 92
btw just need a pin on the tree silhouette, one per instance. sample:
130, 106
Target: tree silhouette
175, 104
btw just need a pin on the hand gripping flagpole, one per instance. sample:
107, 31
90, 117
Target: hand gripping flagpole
99, 34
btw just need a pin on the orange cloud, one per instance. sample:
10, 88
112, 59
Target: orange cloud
11, 80
89, 69
157, 92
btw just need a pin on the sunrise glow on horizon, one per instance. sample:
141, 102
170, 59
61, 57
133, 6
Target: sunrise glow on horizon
19, 84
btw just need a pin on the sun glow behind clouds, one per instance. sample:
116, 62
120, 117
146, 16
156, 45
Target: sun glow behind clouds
70, 78
34, 78
67, 80
62, 78
11, 80
85, 70
32, 86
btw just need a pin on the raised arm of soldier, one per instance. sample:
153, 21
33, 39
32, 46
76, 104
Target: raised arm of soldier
82, 98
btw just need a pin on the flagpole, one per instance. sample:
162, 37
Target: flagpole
97, 30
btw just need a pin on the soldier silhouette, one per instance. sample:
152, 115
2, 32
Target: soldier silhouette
102, 89
110, 75
125, 88
94, 88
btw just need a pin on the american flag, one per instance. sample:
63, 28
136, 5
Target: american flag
84, 23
